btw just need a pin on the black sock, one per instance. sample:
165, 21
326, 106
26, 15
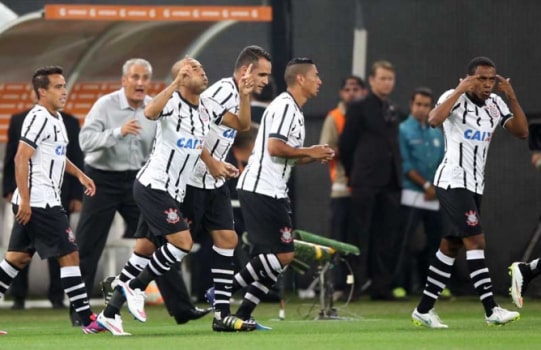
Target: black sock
438, 275
135, 264
260, 267
222, 275
75, 289
481, 279
115, 303
161, 262
7, 273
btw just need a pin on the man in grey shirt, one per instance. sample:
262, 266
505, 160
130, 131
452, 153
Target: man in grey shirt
117, 139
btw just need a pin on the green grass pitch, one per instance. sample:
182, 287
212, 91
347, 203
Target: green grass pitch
367, 325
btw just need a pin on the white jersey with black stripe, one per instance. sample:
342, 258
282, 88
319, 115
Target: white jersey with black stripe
468, 131
180, 133
283, 119
47, 135
220, 137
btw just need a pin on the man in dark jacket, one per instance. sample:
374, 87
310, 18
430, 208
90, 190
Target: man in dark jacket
371, 156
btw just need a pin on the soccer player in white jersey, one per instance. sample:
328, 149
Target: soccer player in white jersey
208, 201
41, 222
470, 114
262, 187
163, 234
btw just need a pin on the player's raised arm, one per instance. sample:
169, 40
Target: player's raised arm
518, 125
438, 115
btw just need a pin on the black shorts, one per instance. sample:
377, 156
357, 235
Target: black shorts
208, 209
463, 209
48, 232
160, 214
268, 223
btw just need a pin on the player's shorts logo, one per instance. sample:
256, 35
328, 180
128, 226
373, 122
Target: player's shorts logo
472, 218
172, 216
71, 236
286, 235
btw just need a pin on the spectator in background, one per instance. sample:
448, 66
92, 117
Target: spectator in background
71, 196
422, 150
371, 157
352, 89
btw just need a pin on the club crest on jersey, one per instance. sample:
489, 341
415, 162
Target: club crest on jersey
185, 142
172, 216
492, 110
471, 218
286, 235
71, 236
204, 113
477, 135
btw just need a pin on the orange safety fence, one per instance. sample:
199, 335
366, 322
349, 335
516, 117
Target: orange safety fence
17, 97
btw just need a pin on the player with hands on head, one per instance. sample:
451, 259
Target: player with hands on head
470, 114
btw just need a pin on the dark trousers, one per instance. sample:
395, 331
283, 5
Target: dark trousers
174, 292
114, 193
377, 214
341, 225
19, 287
433, 225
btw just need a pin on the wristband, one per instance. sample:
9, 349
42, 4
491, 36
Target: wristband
427, 185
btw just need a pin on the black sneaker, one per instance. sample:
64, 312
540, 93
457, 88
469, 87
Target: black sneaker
108, 286
192, 314
18, 304
232, 323
74, 318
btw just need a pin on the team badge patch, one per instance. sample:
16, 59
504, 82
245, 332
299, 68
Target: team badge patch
471, 218
286, 235
172, 216
492, 110
204, 113
71, 236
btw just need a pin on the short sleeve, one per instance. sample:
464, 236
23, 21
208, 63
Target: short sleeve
33, 128
170, 107
215, 110
282, 121
444, 96
503, 110
226, 95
